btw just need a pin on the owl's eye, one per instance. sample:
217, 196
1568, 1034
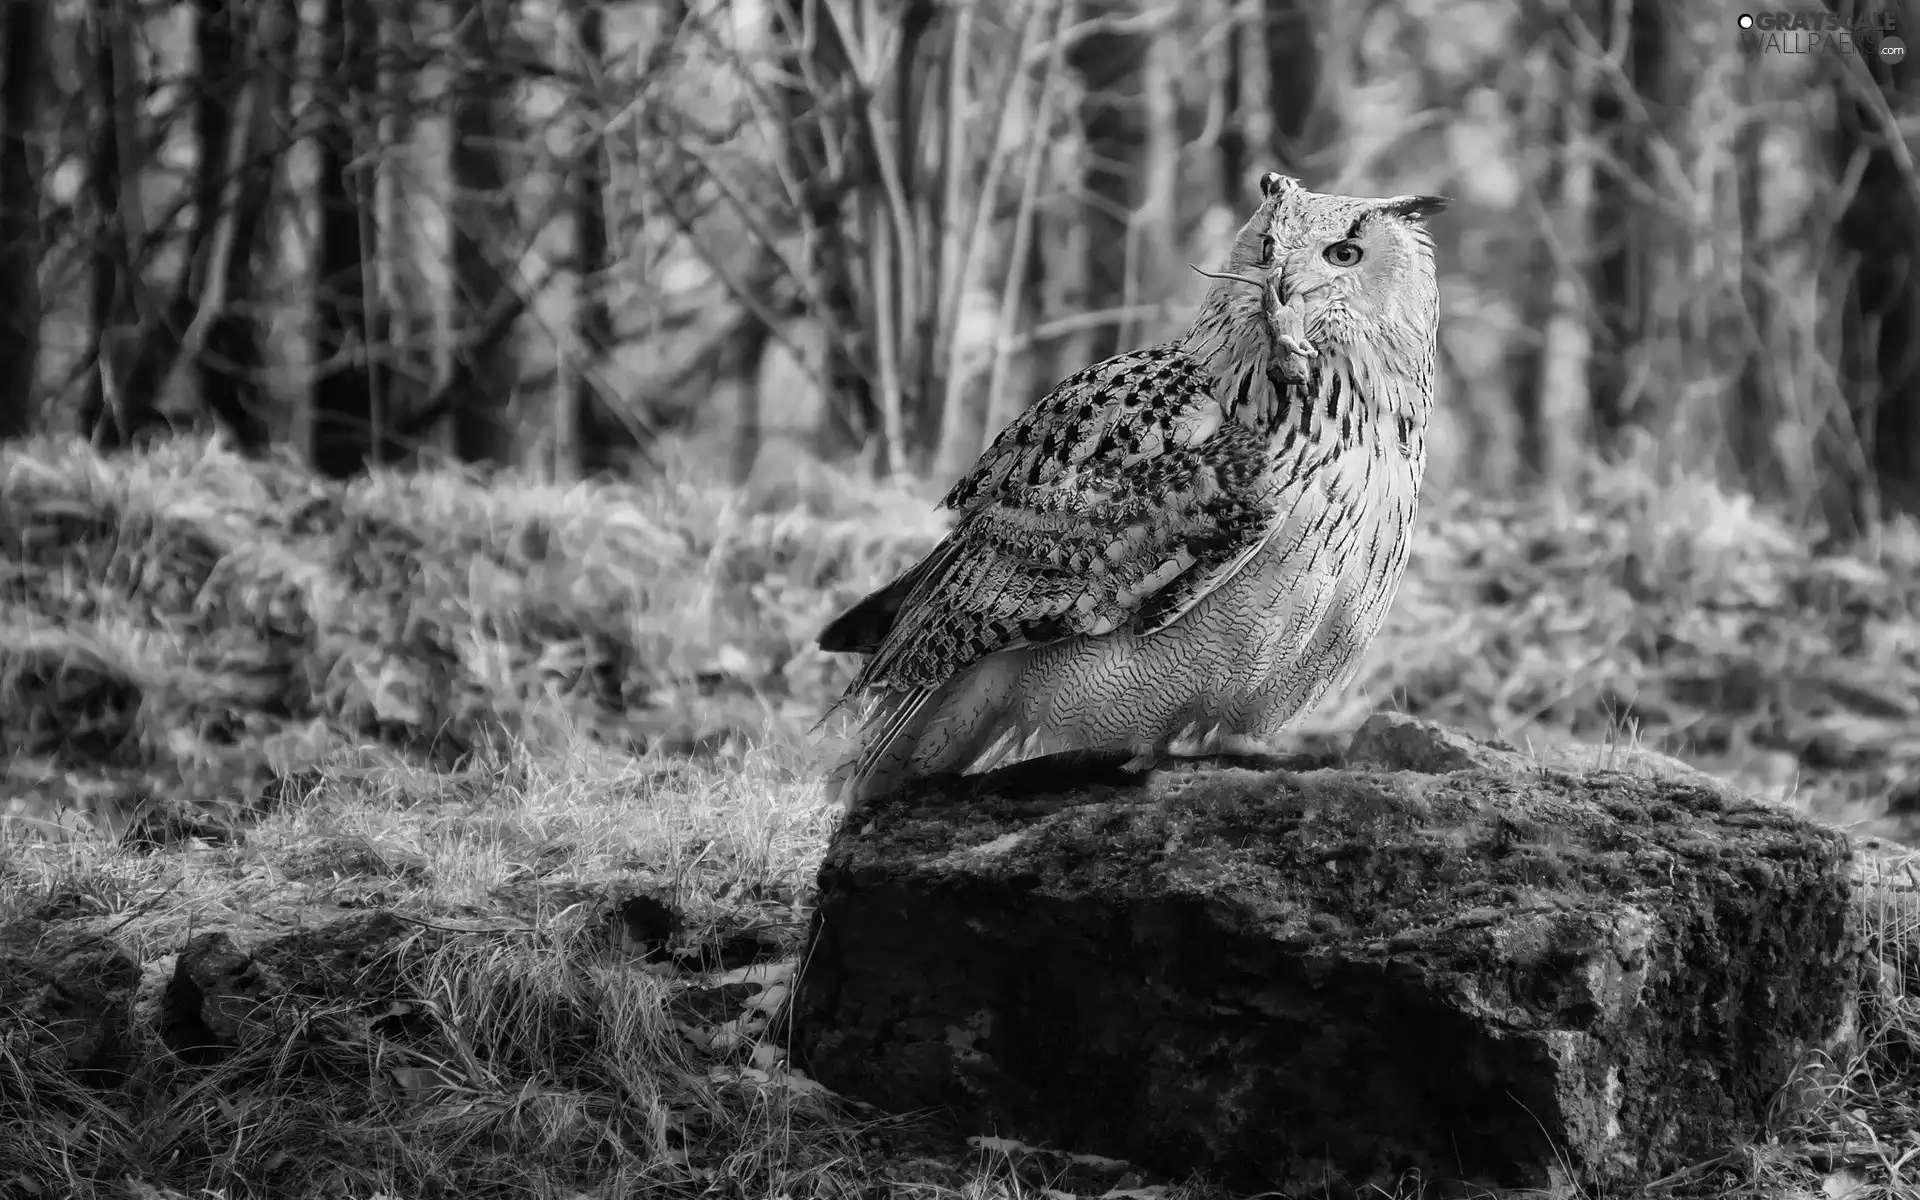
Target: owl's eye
1343, 254
1266, 251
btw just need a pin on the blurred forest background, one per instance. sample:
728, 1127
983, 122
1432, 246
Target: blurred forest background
551, 234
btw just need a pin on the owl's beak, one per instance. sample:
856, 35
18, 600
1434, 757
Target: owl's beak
1282, 285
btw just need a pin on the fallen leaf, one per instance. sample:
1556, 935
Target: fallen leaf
999, 1145
768, 1056
769, 999
765, 974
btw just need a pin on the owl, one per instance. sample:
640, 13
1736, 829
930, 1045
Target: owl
1179, 549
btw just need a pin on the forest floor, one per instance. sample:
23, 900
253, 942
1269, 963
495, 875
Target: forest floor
233, 697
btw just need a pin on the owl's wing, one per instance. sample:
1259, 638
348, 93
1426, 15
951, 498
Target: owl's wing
1118, 500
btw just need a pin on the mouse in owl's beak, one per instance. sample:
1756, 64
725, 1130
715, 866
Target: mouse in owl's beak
1292, 351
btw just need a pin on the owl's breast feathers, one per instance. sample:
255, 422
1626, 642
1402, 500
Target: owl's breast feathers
1118, 501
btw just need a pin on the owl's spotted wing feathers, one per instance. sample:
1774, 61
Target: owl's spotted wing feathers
1113, 503
1121, 411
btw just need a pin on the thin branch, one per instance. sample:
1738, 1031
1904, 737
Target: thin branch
949, 282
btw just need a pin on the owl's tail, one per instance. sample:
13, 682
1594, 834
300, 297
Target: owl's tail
967, 724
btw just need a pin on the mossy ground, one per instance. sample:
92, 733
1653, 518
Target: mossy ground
229, 690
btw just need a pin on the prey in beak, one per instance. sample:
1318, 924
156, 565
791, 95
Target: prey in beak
1292, 352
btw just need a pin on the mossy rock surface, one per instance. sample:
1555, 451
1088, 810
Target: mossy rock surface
1318, 980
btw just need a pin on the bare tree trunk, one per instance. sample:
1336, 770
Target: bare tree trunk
1003, 402
232, 358
1756, 399
342, 433
1293, 82
827, 162
881, 121
1880, 351
1110, 63
482, 223
1552, 397
1155, 224
1066, 247
1233, 142
964, 403
109, 415
917, 274
1246, 140
746, 356
20, 233
162, 333
1622, 278
876, 231
405, 336
942, 410
600, 439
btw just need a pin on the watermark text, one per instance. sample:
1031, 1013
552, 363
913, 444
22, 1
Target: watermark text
1822, 31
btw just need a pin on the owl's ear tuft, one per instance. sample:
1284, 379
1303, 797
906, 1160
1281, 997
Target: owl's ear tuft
1412, 208
1273, 182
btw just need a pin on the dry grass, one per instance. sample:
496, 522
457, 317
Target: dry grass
513, 1049
498, 709
1675, 613
194, 616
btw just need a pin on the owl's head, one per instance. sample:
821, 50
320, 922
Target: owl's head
1358, 269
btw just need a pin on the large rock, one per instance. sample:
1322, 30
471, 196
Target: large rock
1321, 980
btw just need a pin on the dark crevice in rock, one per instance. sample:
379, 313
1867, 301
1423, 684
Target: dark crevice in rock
182, 1029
